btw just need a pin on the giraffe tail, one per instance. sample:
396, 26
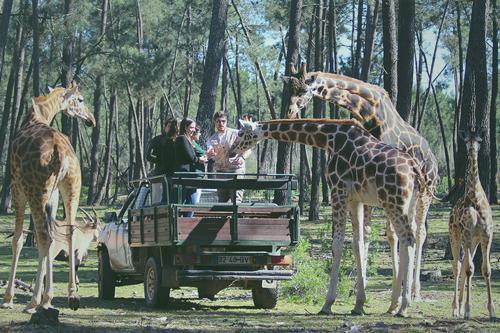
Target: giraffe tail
52, 226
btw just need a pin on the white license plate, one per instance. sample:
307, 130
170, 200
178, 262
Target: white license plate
234, 260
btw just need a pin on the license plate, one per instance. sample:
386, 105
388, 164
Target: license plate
234, 260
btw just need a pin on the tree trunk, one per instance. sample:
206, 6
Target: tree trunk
67, 60
189, 64
4, 31
225, 79
239, 102
103, 189
390, 49
131, 142
359, 41
316, 168
283, 157
206, 106
371, 28
406, 51
475, 98
94, 150
36, 50
493, 106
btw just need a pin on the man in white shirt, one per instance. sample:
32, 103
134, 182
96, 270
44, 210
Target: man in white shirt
219, 144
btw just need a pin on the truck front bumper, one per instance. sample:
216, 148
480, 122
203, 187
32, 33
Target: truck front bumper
264, 274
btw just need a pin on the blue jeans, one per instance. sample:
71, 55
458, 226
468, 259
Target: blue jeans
189, 197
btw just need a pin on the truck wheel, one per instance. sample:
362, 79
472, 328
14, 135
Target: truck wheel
265, 298
154, 294
204, 292
106, 277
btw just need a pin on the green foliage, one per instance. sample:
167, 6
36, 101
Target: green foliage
309, 284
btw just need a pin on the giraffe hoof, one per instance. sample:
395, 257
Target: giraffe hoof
7, 305
358, 312
402, 314
74, 302
29, 309
327, 312
392, 310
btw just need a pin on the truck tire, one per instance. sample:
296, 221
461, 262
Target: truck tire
264, 298
154, 294
106, 277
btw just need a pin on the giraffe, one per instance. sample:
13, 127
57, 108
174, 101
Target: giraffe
43, 163
362, 170
470, 224
371, 105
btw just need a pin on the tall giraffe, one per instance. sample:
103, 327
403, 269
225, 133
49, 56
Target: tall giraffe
43, 163
372, 106
471, 223
362, 171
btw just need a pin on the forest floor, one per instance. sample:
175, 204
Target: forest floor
233, 311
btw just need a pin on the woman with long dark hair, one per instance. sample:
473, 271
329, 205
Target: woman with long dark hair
186, 158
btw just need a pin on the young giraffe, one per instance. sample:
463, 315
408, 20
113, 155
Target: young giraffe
471, 223
362, 171
372, 106
43, 163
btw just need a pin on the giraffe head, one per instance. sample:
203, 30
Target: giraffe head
301, 93
72, 104
473, 139
249, 135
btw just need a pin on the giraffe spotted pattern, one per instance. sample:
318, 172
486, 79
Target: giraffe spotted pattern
362, 171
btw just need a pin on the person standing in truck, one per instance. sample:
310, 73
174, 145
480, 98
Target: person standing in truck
220, 143
161, 153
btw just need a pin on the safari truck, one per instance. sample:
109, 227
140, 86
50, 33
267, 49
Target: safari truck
221, 245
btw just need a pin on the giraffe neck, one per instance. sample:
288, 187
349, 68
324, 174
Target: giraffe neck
317, 133
473, 182
45, 108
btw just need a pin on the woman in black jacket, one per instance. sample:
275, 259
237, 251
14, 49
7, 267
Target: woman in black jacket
185, 156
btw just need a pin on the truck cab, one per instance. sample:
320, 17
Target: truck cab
220, 245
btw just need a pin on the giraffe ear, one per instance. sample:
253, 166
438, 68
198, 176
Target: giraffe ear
50, 89
242, 123
293, 70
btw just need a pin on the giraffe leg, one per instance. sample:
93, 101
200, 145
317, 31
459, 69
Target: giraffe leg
367, 217
422, 208
456, 266
469, 272
37, 204
358, 243
486, 270
406, 233
70, 190
17, 244
338, 225
392, 238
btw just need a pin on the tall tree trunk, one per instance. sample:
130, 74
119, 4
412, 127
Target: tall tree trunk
4, 31
371, 28
99, 88
459, 94
493, 106
103, 189
292, 57
189, 64
406, 51
67, 61
36, 50
475, 97
390, 49
131, 142
17, 70
316, 168
225, 79
239, 102
94, 150
359, 41
211, 70
420, 68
